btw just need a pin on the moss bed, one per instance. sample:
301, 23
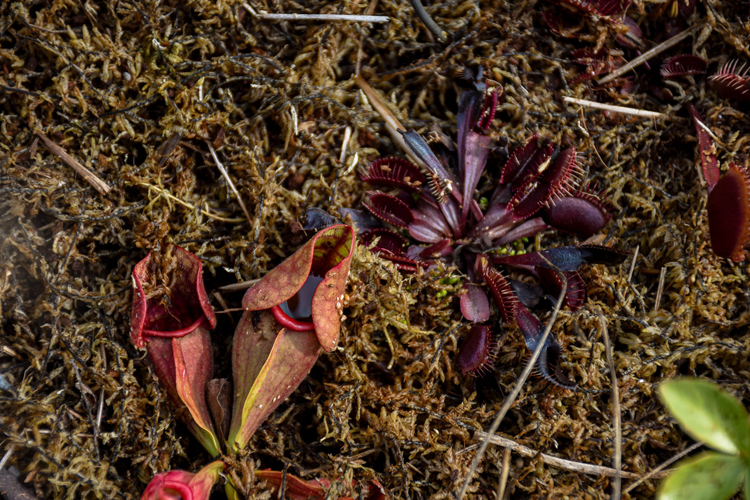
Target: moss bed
137, 91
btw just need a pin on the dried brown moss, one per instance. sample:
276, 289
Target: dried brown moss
136, 91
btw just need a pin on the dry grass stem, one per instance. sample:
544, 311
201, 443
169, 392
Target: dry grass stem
659, 471
561, 463
392, 124
324, 17
238, 287
632, 263
503, 481
617, 109
345, 144
660, 289
616, 417
230, 183
315, 17
87, 174
511, 398
169, 196
667, 44
7, 456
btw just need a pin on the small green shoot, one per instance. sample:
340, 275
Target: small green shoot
708, 414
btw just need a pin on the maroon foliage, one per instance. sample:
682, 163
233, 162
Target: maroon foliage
536, 192
683, 64
733, 82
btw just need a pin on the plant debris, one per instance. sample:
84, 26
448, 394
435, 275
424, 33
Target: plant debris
142, 94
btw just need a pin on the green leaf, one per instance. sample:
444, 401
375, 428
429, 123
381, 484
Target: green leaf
709, 476
708, 414
747, 488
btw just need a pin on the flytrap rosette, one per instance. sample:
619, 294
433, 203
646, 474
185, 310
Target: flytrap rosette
292, 314
538, 190
171, 317
181, 485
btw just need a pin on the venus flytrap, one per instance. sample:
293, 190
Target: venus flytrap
710, 415
540, 189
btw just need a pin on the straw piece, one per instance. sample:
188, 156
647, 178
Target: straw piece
229, 181
649, 54
561, 463
270, 16
617, 483
87, 174
617, 109
392, 124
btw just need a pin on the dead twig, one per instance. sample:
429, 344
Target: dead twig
658, 472
269, 16
392, 124
516, 389
616, 109
238, 287
503, 482
224, 172
424, 16
660, 290
667, 44
87, 174
632, 263
561, 463
617, 483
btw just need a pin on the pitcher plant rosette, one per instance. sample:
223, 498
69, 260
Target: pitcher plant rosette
291, 314
171, 317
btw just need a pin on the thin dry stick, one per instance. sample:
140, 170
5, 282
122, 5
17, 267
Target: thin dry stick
617, 483
560, 463
87, 174
516, 389
229, 181
657, 472
632, 264
185, 204
503, 482
324, 17
649, 54
427, 20
238, 287
660, 290
7, 456
345, 144
392, 124
617, 109
315, 17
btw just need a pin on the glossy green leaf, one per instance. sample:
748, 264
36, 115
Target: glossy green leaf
709, 476
708, 414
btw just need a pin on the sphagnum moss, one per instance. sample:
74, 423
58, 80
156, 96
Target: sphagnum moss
134, 91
